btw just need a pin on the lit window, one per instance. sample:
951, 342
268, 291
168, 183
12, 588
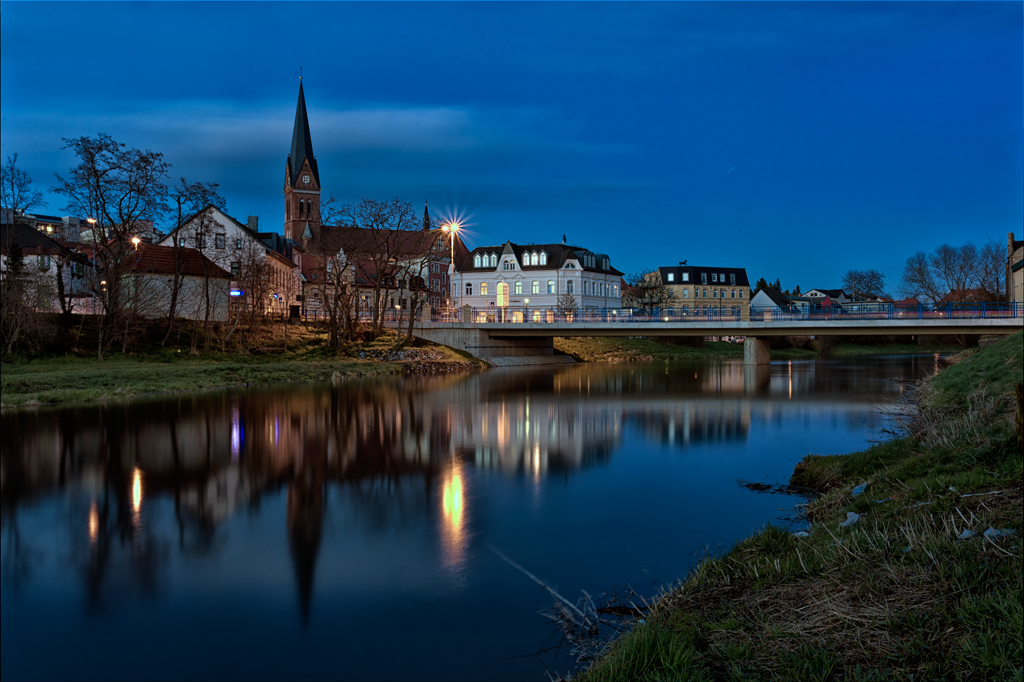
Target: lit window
483, 288
519, 287
238, 243
686, 277
543, 258
671, 277
476, 261
494, 261
535, 287
551, 286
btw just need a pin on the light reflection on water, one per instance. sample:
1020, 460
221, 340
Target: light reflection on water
349, 518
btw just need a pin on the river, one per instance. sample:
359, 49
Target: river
348, 530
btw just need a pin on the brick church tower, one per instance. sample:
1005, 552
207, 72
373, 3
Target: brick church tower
302, 180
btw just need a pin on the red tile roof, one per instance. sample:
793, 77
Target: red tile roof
159, 260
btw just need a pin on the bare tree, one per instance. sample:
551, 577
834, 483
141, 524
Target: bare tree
16, 193
386, 225
954, 271
647, 290
863, 284
118, 188
566, 304
188, 198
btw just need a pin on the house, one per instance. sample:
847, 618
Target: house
1014, 269
707, 289
205, 287
770, 299
262, 264
835, 296
534, 281
65, 228
56, 269
968, 296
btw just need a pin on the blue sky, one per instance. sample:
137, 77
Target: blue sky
797, 140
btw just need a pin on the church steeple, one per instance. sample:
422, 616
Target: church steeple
426, 217
302, 144
302, 178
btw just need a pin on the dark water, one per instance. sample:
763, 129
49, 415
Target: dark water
345, 531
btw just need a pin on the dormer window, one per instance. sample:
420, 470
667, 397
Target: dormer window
543, 258
732, 279
533, 258
671, 277
476, 261
686, 277
703, 278
494, 261
714, 277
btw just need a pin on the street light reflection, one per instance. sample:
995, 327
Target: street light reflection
94, 522
453, 501
136, 490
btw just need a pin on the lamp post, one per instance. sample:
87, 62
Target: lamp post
452, 228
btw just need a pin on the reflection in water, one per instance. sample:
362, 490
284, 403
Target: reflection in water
382, 455
453, 501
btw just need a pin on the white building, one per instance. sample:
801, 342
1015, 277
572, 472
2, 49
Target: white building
534, 282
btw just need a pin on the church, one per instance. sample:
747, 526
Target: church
410, 265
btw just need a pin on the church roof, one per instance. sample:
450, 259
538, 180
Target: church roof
302, 144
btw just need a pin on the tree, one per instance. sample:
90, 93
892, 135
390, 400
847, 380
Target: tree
864, 284
189, 198
955, 271
646, 289
16, 193
118, 188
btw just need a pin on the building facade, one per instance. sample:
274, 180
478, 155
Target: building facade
1014, 269
535, 282
705, 290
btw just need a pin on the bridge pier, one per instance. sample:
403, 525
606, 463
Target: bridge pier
481, 344
756, 351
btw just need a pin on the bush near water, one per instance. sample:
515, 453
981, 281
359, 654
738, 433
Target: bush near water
914, 589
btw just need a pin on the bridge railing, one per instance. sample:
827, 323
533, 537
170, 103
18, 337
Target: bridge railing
887, 311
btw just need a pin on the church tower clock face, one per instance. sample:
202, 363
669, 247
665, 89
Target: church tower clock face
305, 179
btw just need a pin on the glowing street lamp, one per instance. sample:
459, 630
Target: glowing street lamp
136, 241
452, 229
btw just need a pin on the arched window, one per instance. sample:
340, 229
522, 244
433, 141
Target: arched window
533, 258
543, 258
535, 287
519, 287
569, 286
494, 261
483, 288
476, 261
551, 286
469, 288
302, 207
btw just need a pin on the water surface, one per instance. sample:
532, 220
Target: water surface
344, 531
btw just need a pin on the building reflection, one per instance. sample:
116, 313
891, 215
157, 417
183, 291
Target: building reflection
398, 449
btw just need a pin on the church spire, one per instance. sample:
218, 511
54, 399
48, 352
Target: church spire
426, 217
302, 144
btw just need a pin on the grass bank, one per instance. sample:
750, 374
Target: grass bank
617, 349
913, 588
155, 369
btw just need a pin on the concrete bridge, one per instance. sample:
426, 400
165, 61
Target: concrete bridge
490, 338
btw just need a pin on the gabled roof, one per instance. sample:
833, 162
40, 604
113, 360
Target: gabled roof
31, 240
695, 272
558, 255
398, 243
777, 297
831, 293
159, 260
302, 144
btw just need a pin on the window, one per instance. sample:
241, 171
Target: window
705, 294
469, 288
238, 243
732, 279
671, 277
200, 241
741, 293
476, 261
535, 287
494, 261
721, 278
570, 287
509, 265
571, 266
714, 293
733, 294
721, 293
43, 260
703, 278
218, 241
686, 293
543, 258
236, 269
519, 287
714, 277
533, 258
483, 288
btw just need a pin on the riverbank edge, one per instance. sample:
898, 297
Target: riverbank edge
68, 381
912, 586
624, 349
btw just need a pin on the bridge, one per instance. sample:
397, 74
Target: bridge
497, 332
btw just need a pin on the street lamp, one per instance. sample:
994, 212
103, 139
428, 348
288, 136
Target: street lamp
452, 229
136, 240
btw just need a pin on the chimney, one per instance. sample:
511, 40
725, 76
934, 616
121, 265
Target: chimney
253, 223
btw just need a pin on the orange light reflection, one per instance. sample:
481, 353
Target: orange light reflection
136, 490
94, 522
453, 502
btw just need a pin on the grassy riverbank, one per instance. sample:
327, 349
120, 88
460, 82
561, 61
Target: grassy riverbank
620, 349
896, 595
77, 378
